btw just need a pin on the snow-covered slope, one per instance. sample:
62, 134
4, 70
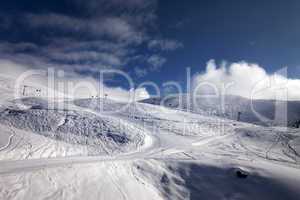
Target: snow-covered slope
103, 149
261, 112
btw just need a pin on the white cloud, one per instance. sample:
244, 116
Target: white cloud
140, 72
11, 69
246, 80
156, 62
141, 94
165, 45
114, 27
92, 35
88, 56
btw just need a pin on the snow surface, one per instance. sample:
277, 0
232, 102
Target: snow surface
81, 149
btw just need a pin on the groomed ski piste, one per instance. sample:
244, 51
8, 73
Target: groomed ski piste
74, 149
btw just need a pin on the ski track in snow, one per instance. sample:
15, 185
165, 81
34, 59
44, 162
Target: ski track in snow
8, 143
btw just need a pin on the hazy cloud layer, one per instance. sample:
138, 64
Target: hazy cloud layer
74, 86
165, 45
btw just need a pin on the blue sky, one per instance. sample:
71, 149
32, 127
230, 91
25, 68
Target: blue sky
151, 40
263, 32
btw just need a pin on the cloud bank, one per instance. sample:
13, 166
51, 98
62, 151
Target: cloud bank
247, 80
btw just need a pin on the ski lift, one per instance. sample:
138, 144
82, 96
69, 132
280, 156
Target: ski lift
24, 90
297, 124
239, 116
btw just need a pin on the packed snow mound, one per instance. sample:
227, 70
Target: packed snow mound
100, 133
262, 112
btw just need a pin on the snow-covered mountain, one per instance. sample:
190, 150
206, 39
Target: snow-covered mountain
262, 112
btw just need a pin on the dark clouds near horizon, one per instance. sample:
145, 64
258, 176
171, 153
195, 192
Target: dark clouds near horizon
83, 36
